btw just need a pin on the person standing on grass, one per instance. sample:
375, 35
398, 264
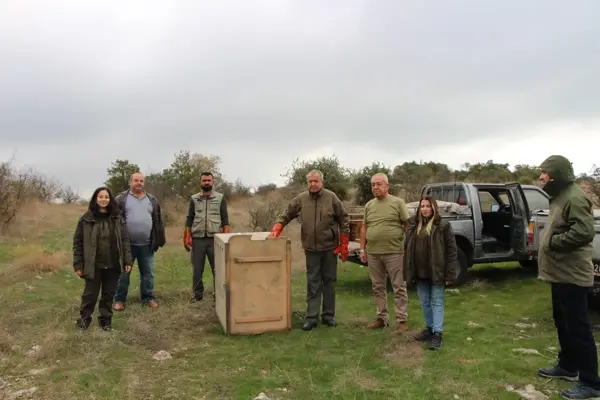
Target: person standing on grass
565, 261
382, 247
325, 231
431, 260
101, 252
207, 216
146, 228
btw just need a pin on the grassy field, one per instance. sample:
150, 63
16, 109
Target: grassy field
502, 309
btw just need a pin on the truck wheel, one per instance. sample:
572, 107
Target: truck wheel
463, 261
528, 264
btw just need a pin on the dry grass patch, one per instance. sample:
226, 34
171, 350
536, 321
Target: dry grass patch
42, 261
35, 219
404, 351
356, 377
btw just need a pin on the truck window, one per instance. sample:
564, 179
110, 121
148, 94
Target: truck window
486, 201
536, 200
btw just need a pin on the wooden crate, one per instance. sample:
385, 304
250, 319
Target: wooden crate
355, 222
253, 283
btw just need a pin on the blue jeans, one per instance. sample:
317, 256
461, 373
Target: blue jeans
145, 258
432, 303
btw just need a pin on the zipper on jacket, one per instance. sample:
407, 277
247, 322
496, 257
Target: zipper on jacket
206, 217
315, 224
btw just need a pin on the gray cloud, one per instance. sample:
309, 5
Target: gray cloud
253, 80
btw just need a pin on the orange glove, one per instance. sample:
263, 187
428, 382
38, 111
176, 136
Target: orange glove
226, 229
276, 231
343, 247
187, 239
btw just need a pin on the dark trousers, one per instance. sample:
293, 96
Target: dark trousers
202, 248
105, 285
577, 344
321, 274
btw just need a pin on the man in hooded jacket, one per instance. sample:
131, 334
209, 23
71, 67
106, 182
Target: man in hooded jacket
565, 261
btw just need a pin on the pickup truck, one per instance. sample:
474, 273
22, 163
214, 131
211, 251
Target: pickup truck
498, 223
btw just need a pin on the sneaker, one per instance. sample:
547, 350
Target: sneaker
557, 372
436, 341
580, 391
424, 336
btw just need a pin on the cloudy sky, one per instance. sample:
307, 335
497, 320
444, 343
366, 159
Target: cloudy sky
261, 83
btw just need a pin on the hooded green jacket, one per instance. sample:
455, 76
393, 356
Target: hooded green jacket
565, 253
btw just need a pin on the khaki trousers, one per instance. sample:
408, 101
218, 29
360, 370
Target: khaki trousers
392, 264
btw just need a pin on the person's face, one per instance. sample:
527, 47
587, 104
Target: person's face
426, 208
137, 182
315, 183
206, 180
544, 177
102, 199
379, 187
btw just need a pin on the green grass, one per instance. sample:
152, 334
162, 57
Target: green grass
347, 362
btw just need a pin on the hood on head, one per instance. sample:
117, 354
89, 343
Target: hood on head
559, 168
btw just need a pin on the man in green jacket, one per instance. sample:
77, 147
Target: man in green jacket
325, 232
565, 261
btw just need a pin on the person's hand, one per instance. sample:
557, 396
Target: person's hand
187, 239
79, 273
363, 256
128, 268
226, 229
448, 283
276, 231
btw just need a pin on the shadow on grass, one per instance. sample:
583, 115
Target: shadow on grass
479, 275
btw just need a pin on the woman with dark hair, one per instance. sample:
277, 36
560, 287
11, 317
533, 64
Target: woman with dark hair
101, 252
431, 262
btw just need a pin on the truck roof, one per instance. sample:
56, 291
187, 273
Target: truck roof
480, 184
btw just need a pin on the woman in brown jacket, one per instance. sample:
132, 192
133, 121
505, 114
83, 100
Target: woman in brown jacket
101, 252
431, 262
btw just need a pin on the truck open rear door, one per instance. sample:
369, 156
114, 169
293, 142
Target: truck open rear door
519, 223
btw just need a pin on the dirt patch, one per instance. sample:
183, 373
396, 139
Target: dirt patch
404, 350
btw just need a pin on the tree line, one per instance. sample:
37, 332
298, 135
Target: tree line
181, 179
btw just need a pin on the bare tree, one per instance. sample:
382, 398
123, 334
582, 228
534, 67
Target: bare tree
264, 211
68, 196
13, 187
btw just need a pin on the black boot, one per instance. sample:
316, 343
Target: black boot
424, 336
309, 325
105, 324
83, 323
436, 341
330, 322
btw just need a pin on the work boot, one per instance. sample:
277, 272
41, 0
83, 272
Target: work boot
436, 341
83, 324
309, 325
580, 391
378, 323
330, 322
424, 336
105, 324
402, 327
557, 372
